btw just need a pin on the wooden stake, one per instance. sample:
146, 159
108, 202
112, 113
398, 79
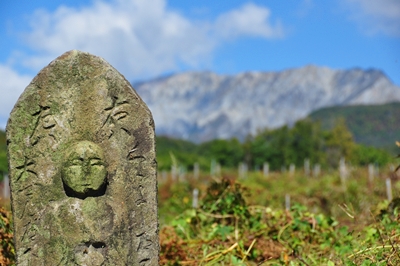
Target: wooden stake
195, 202
292, 169
389, 189
287, 202
307, 167
265, 169
371, 173
317, 170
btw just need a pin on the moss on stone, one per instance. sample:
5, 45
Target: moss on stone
79, 97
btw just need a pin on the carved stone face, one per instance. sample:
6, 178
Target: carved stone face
84, 170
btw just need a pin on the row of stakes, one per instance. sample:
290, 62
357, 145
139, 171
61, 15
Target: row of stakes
178, 173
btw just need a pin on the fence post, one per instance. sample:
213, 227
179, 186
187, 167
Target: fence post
6, 187
195, 203
317, 170
371, 173
389, 189
343, 171
307, 167
265, 169
287, 202
292, 170
242, 170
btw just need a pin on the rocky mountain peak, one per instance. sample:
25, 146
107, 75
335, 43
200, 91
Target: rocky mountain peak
200, 106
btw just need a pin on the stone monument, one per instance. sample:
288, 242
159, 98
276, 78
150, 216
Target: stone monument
82, 168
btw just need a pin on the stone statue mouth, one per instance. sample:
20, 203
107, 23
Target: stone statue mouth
87, 192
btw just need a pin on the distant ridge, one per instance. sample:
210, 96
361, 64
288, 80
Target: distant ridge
372, 125
201, 106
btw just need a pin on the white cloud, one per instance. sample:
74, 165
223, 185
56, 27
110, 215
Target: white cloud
12, 85
374, 16
249, 20
142, 38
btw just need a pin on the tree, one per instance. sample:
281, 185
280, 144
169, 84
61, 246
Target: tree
272, 146
339, 143
228, 153
284, 146
364, 155
307, 140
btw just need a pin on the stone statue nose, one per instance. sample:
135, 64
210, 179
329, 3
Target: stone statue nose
86, 166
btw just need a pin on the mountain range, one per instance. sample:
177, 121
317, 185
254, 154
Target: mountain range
200, 106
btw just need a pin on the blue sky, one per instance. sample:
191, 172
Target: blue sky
145, 39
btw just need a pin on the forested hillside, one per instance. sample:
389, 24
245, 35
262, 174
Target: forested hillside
279, 147
372, 125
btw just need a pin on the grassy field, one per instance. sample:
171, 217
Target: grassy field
245, 222
249, 221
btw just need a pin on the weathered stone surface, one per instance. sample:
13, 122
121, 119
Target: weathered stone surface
82, 168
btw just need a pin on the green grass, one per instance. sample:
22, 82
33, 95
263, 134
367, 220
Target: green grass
244, 222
